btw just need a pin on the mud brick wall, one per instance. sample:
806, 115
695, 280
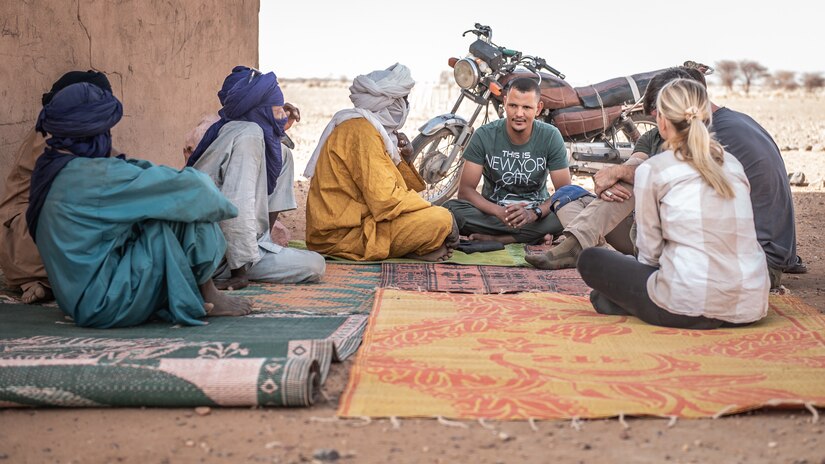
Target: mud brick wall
166, 60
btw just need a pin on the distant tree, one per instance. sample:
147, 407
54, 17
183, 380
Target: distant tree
751, 72
813, 81
785, 80
728, 72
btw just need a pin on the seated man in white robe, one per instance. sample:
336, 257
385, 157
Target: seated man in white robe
242, 153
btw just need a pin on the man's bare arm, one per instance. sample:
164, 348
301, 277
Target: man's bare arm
560, 178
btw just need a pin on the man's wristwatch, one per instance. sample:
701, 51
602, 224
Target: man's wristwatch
537, 210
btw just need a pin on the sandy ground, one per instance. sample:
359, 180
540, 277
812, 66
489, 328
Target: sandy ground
304, 435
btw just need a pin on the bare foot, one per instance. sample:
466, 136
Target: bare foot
37, 292
223, 304
505, 239
441, 254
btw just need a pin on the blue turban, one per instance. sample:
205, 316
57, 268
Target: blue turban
73, 77
247, 95
79, 119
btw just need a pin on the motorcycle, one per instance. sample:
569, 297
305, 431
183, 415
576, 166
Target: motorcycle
600, 123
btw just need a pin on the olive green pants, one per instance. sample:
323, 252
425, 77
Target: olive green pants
471, 220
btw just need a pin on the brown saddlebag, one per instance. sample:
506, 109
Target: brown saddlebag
579, 120
615, 91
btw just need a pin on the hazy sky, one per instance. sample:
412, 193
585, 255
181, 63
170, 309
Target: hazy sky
589, 41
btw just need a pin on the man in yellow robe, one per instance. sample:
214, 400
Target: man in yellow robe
361, 203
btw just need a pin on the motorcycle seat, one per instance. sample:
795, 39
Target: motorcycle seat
616, 91
557, 94
578, 120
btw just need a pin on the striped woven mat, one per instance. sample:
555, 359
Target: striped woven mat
480, 279
511, 255
344, 289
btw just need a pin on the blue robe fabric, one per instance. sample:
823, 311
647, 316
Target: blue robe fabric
78, 118
125, 241
247, 95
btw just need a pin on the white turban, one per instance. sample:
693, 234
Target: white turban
382, 93
379, 98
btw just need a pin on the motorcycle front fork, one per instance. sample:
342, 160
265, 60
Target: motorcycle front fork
466, 131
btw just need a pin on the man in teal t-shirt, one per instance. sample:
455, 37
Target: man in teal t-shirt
514, 155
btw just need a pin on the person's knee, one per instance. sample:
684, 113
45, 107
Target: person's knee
457, 206
211, 239
452, 203
454, 206
455, 209
568, 212
441, 220
316, 266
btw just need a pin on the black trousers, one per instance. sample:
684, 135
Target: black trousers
619, 285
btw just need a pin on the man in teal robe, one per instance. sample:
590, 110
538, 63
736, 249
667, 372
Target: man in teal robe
123, 241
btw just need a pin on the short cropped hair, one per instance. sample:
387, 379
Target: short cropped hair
525, 85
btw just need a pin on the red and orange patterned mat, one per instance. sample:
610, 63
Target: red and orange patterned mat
550, 356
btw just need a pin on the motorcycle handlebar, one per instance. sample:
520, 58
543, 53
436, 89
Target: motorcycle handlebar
480, 30
542, 63
553, 70
531, 62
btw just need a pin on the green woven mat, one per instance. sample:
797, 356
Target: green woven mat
275, 360
512, 255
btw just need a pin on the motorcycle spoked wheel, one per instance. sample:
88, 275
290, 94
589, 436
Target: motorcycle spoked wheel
429, 150
643, 123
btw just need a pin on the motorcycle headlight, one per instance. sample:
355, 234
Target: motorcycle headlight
466, 73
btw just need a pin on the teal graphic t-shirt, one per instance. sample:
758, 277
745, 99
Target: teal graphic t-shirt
514, 173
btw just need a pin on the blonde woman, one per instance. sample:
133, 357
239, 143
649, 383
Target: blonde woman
699, 264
